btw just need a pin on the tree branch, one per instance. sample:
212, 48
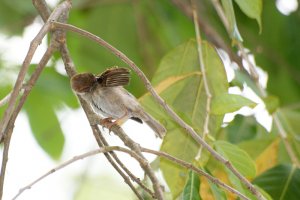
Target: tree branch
9, 129
145, 164
33, 46
44, 11
140, 160
255, 77
11, 113
160, 101
5, 99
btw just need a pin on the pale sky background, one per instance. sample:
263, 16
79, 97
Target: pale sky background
27, 161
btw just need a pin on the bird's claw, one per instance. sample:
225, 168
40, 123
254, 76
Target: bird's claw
107, 123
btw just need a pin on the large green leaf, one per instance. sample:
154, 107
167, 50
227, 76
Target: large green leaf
51, 92
252, 8
281, 182
192, 187
239, 158
178, 81
44, 124
227, 103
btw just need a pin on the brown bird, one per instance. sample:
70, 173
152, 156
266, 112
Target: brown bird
108, 98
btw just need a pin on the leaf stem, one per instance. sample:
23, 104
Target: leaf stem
202, 69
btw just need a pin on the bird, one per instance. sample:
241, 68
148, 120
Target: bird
108, 98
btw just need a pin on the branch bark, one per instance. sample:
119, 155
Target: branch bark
10, 126
161, 102
44, 11
139, 159
33, 46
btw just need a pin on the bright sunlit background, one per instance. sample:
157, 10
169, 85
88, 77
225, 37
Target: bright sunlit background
27, 161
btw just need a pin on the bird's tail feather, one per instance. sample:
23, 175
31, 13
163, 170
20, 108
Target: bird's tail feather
159, 129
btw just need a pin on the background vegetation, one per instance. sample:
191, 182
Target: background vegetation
159, 36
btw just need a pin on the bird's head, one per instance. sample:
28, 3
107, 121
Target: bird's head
83, 83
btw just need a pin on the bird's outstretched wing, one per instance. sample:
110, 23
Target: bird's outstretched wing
115, 76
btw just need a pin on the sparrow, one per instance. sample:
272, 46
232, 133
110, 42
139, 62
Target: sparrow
107, 96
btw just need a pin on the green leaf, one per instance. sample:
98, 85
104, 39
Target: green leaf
183, 148
56, 87
275, 50
281, 182
45, 125
192, 187
227, 103
252, 8
90, 56
217, 192
178, 81
15, 15
272, 103
241, 128
51, 92
233, 29
289, 117
238, 157
240, 78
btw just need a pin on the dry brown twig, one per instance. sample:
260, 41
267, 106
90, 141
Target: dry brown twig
9, 130
11, 113
111, 156
71, 71
159, 100
33, 46
139, 159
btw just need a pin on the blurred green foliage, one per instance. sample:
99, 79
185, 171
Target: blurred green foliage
156, 36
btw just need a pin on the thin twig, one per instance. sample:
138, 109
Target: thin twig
64, 164
92, 118
283, 136
195, 169
222, 15
202, 69
110, 156
10, 115
42, 8
33, 46
9, 129
255, 77
145, 164
211, 34
139, 159
5, 99
131, 175
45, 12
160, 101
